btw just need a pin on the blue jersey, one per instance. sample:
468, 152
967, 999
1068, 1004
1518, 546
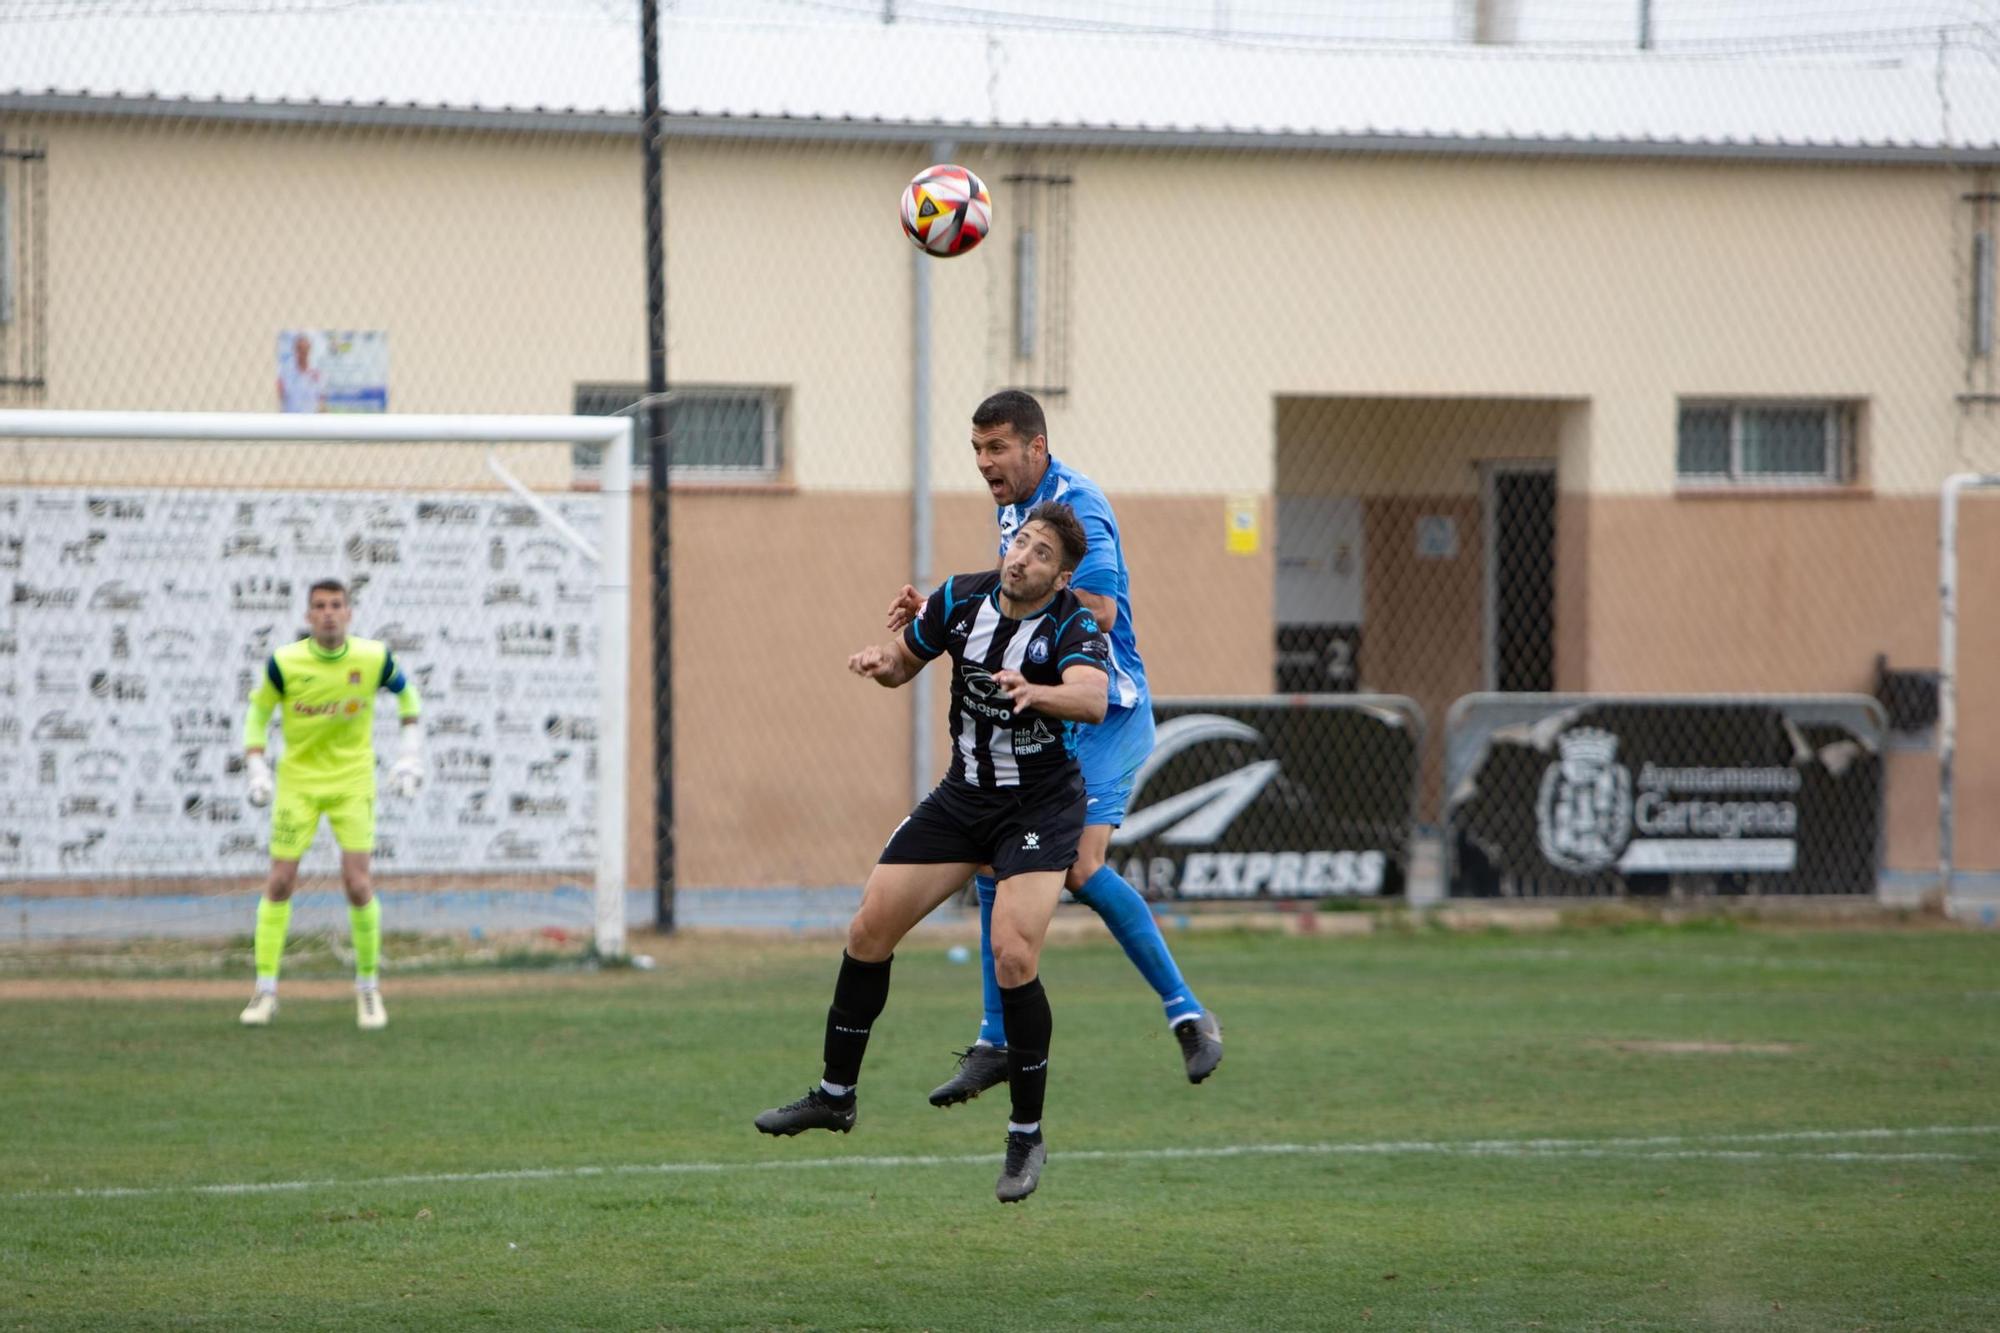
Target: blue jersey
1102, 573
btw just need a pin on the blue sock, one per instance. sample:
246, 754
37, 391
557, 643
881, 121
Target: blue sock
1130, 918
992, 1027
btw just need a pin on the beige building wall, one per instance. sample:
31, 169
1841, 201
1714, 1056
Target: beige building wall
1457, 308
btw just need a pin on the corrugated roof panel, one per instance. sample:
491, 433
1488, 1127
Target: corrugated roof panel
585, 60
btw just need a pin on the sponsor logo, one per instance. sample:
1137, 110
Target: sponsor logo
574, 594
510, 594
452, 724
189, 772
264, 592
124, 508
69, 644
385, 516
525, 638
258, 646
11, 851
511, 848
207, 808
1031, 843
1201, 814
121, 686
117, 596
514, 724
153, 852
447, 513
79, 853
82, 551
572, 641
402, 639
15, 805
569, 727
55, 504
144, 727
463, 765
474, 813
12, 548
182, 594
469, 682
577, 846
239, 844
1591, 815
53, 684
548, 770
45, 768
56, 725
10, 643
98, 766
514, 516
172, 645
374, 550
33, 597
192, 511
523, 805
87, 803
982, 694
10, 728
196, 726
441, 553
247, 546
542, 556
152, 805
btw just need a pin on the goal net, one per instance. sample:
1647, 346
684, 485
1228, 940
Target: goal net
151, 562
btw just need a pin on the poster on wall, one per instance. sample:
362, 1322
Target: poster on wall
134, 623
1320, 594
340, 370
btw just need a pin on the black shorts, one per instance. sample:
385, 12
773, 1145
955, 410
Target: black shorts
1012, 829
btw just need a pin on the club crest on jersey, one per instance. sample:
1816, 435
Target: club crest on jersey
1038, 651
354, 678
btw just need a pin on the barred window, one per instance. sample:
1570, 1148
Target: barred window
1764, 444
720, 433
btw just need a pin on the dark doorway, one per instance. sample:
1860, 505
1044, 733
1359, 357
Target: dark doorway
1520, 576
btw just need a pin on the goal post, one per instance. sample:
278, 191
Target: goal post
310, 497
1947, 724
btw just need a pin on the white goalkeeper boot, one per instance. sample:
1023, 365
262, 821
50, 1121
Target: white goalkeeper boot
263, 1007
369, 1015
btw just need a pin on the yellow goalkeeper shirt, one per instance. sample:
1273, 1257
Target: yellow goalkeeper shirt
327, 703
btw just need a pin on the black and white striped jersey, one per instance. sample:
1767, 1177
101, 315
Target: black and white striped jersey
991, 744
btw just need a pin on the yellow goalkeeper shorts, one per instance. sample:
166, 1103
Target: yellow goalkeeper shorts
295, 820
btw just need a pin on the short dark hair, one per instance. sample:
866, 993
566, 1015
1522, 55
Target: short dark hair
328, 585
1012, 407
1062, 521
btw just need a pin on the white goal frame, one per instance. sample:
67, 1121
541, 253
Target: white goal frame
613, 558
1947, 723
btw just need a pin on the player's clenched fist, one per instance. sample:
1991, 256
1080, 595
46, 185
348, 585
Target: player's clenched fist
871, 662
261, 785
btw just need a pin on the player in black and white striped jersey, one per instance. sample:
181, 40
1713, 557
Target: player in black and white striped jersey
1029, 663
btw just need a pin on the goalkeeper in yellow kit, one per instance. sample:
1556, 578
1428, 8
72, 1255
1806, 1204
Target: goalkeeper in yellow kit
324, 687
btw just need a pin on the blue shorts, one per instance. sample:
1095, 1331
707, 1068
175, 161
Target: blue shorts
1110, 754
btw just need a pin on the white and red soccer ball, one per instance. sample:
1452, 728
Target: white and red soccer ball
946, 210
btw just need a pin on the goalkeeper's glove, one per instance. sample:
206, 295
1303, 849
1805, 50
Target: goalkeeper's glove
261, 785
406, 777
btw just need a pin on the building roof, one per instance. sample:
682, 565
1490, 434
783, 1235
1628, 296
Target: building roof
576, 66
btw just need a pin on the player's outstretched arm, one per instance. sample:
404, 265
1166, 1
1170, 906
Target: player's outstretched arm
888, 664
1083, 695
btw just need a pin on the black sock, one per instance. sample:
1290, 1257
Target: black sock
1025, 1008
858, 996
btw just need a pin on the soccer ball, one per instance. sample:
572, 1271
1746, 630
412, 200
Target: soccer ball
946, 210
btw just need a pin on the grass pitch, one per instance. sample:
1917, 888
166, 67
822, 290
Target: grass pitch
1642, 1128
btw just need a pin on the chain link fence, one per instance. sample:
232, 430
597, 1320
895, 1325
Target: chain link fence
1425, 352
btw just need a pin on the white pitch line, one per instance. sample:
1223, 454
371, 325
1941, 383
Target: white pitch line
1660, 1147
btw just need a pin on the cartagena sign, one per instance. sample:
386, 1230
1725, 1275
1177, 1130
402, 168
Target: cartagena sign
1301, 796
1775, 796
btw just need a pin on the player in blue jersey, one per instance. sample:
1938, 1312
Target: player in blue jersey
1010, 444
